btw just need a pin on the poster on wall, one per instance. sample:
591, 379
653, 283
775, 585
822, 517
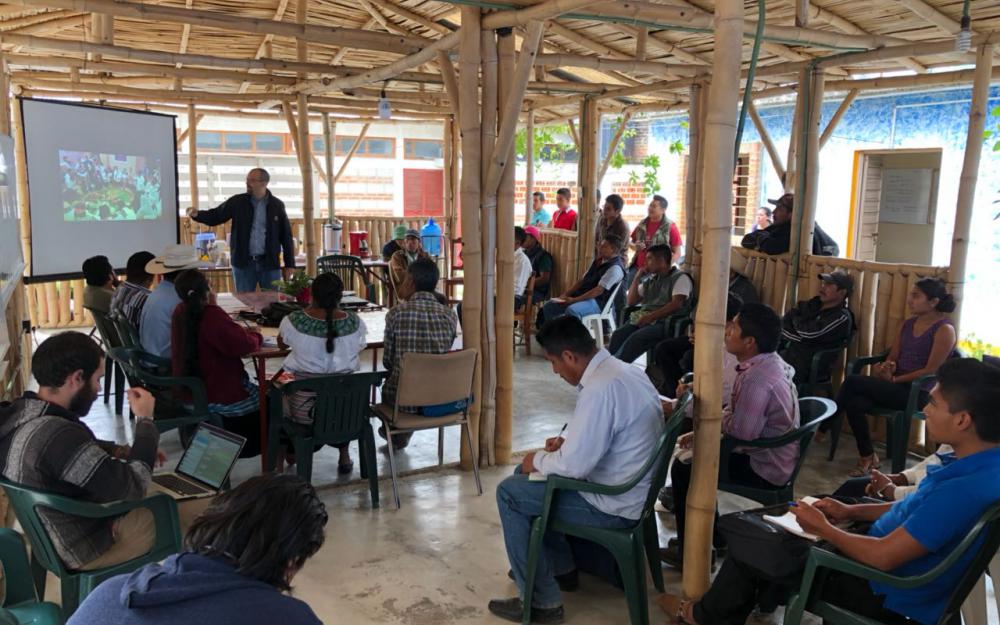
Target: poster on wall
11, 261
906, 196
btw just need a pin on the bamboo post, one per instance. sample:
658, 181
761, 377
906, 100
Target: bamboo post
529, 165
193, 155
804, 214
574, 134
590, 119
967, 182
305, 161
699, 200
23, 203
793, 138
505, 265
691, 176
472, 293
720, 134
488, 237
329, 133
5, 120
832, 124
448, 171
765, 138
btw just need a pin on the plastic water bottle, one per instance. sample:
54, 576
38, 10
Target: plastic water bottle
430, 238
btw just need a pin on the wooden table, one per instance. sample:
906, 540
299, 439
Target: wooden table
375, 326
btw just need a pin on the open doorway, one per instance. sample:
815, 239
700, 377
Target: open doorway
894, 198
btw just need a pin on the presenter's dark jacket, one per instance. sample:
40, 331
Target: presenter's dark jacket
239, 208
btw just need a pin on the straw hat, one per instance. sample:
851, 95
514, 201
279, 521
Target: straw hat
175, 258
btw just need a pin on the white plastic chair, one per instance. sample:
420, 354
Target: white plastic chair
595, 322
974, 609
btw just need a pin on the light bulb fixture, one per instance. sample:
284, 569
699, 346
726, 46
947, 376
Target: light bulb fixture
963, 39
384, 111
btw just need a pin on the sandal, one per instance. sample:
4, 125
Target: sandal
865, 466
679, 611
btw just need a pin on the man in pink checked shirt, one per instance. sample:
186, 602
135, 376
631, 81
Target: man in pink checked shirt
764, 404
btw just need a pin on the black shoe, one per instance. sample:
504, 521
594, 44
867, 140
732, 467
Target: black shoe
513, 610
673, 555
568, 582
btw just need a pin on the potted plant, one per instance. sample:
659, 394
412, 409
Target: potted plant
298, 287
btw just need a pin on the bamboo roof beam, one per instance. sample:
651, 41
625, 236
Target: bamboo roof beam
279, 13
538, 12
574, 134
351, 152
641, 42
449, 78
847, 26
411, 15
603, 169
765, 138
183, 134
171, 58
144, 70
34, 20
587, 43
837, 116
664, 42
336, 36
663, 70
381, 19
932, 14
67, 20
802, 13
342, 52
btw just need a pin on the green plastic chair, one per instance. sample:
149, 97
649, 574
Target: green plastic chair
342, 413
821, 379
128, 335
820, 561
632, 547
812, 412
20, 600
170, 413
76, 585
897, 421
348, 268
112, 368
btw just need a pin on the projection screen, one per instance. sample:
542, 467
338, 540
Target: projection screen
100, 181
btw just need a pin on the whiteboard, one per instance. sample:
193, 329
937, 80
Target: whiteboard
906, 196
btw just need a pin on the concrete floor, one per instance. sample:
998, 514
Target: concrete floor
440, 559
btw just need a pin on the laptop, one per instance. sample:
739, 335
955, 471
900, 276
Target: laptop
205, 464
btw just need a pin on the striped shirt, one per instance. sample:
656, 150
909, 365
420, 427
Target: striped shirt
128, 301
420, 324
765, 404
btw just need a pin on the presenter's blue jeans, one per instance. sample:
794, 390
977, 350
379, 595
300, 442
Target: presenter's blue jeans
520, 502
551, 310
247, 278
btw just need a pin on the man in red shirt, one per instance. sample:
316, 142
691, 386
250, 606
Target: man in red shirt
565, 217
655, 229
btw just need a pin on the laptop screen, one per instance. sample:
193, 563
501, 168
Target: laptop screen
210, 455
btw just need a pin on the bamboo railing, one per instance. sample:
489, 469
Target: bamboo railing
562, 245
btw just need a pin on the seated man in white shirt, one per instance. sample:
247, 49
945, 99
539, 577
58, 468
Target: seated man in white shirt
522, 268
613, 431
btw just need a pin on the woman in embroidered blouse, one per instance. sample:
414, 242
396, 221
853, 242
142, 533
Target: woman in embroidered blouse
324, 340
924, 342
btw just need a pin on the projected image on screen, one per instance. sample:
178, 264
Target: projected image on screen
109, 187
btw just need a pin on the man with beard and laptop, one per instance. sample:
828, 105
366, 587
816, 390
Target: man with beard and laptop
45, 445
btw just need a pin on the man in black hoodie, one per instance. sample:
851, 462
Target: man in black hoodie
777, 238
823, 322
44, 445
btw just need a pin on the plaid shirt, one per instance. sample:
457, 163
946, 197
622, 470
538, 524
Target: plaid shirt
421, 324
765, 404
128, 301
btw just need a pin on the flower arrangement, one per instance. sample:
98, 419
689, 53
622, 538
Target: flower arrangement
297, 287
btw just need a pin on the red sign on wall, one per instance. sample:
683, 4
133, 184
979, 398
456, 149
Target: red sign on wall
423, 192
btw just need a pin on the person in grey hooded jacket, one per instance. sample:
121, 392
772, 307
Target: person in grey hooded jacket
239, 560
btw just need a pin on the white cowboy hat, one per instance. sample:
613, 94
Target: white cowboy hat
174, 258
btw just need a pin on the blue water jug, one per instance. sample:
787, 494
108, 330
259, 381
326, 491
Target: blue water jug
430, 238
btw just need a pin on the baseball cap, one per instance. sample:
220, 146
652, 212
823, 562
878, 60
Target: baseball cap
841, 279
787, 200
412, 233
533, 231
399, 232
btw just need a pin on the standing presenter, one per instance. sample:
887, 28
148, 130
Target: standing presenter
260, 228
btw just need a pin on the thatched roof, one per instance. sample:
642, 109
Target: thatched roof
245, 53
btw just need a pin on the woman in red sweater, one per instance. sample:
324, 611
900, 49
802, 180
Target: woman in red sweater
206, 343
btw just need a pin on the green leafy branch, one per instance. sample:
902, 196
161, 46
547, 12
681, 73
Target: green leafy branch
649, 176
547, 146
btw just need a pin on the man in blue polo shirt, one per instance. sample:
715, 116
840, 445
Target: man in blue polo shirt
908, 537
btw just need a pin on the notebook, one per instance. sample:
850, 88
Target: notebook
789, 523
205, 464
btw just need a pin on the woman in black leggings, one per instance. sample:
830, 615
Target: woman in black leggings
924, 341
